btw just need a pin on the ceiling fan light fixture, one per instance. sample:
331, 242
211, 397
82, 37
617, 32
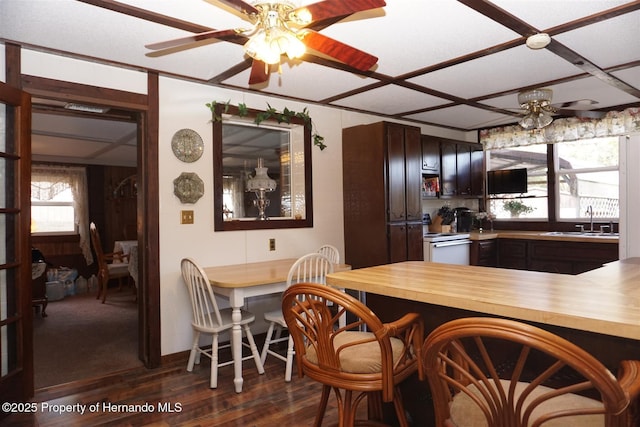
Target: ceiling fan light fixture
538, 41
536, 120
537, 102
272, 37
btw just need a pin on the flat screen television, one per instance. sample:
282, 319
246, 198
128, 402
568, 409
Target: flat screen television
507, 181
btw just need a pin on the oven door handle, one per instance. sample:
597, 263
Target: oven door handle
451, 243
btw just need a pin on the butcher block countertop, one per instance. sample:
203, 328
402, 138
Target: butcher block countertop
606, 300
541, 235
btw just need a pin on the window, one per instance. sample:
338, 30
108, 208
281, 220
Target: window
587, 178
532, 204
59, 203
52, 210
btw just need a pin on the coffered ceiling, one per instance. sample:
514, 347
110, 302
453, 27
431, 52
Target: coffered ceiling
455, 64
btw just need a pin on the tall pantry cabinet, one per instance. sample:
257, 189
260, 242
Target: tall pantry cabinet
382, 204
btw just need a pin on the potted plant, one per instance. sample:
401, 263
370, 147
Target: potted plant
516, 207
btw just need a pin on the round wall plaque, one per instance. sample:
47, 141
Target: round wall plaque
188, 187
187, 145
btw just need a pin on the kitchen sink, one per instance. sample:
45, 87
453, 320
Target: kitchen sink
581, 234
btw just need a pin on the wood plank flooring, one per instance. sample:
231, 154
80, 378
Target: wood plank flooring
176, 397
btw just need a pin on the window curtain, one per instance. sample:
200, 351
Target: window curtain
59, 177
614, 123
234, 187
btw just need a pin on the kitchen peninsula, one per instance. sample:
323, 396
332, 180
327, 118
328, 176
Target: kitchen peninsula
598, 310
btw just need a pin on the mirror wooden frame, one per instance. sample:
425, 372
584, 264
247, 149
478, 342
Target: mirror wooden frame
224, 110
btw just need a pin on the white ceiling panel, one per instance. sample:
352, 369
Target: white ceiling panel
457, 115
411, 36
600, 40
501, 71
301, 78
391, 99
544, 14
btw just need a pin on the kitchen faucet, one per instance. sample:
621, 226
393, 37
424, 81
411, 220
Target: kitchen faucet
590, 213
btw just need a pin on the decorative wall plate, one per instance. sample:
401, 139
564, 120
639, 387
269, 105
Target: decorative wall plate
187, 145
188, 187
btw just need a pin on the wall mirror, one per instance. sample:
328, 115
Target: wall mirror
248, 199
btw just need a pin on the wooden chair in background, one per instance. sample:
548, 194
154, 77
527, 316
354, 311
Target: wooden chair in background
503, 373
312, 267
107, 268
352, 363
330, 252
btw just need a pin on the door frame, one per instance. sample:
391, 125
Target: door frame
147, 109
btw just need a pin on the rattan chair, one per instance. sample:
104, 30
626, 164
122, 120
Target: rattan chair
352, 363
502, 373
209, 319
312, 267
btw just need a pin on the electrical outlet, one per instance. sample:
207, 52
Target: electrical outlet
186, 217
272, 244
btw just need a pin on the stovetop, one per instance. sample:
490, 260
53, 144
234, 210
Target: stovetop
441, 237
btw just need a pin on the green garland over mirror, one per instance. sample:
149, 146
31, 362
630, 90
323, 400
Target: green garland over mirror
271, 113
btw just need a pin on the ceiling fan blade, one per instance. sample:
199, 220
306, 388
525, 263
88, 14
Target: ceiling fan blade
214, 34
332, 8
240, 6
581, 114
342, 52
259, 72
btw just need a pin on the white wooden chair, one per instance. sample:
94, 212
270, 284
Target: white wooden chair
330, 252
209, 319
312, 267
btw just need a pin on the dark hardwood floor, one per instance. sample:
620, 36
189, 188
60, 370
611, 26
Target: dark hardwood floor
175, 397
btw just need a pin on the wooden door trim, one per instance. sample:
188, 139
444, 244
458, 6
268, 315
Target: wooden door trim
147, 109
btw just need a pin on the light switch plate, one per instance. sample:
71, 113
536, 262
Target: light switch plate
186, 217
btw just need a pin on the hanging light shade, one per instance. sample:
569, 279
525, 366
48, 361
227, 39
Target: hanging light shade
261, 180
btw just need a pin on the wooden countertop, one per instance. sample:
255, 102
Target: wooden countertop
540, 235
606, 300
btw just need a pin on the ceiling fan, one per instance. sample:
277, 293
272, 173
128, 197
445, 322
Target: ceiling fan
279, 27
538, 108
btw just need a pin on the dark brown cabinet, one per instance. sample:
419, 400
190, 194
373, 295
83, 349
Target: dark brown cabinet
554, 256
430, 155
461, 169
484, 253
382, 179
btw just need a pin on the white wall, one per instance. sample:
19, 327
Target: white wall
182, 105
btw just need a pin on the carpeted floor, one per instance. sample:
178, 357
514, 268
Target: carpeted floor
82, 338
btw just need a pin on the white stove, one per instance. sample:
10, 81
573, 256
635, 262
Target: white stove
443, 237
448, 248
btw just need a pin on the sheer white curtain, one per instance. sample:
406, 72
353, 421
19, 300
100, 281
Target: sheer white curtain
58, 178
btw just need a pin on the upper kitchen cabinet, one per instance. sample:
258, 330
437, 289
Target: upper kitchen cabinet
461, 169
430, 155
382, 178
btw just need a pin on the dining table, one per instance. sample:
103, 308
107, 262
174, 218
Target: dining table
124, 246
241, 281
